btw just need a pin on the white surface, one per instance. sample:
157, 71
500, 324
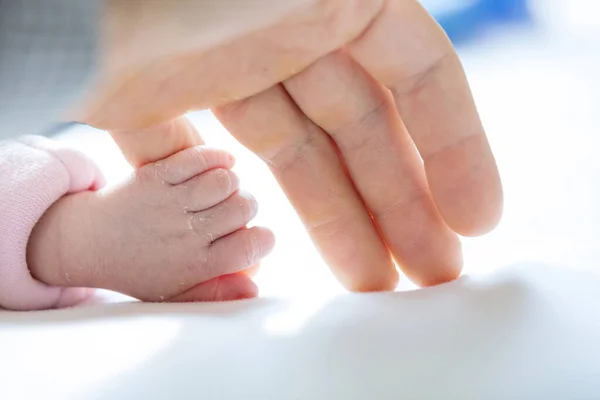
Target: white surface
525, 333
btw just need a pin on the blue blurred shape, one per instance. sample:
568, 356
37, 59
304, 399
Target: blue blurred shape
508, 10
465, 19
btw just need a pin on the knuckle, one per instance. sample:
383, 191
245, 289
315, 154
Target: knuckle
149, 172
198, 265
198, 222
294, 153
198, 156
401, 208
251, 250
364, 127
415, 82
248, 207
206, 237
234, 181
223, 180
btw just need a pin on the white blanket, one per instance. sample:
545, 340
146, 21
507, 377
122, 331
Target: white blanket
527, 332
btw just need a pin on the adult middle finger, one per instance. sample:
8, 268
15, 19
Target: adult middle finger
360, 115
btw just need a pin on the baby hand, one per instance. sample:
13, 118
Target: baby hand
173, 224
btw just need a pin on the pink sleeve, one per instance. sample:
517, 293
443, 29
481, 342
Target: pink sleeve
34, 173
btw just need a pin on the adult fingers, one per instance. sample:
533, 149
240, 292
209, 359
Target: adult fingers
360, 116
306, 164
142, 146
224, 62
405, 50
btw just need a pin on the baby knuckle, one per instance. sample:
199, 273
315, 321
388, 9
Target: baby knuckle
206, 237
223, 180
149, 173
197, 266
206, 263
234, 181
251, 250
198, 156
248, 207
198, 222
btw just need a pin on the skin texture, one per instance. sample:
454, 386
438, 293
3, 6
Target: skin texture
144, 146
361, 109
172, 224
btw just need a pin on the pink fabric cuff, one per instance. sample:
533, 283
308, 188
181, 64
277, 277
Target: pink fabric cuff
34, 173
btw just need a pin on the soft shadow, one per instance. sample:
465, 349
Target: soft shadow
98, 311
522, 333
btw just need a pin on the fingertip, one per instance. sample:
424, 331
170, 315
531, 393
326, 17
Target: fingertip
466, 186
488, 207
475, 212
212, 157
232, 159
443, 273
249, 202
434, 259
223, 158
479, 223
443, 265
267, 239
384, 283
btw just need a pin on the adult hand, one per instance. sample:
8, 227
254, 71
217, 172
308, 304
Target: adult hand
361, 109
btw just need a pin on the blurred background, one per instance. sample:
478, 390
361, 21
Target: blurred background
533, 66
